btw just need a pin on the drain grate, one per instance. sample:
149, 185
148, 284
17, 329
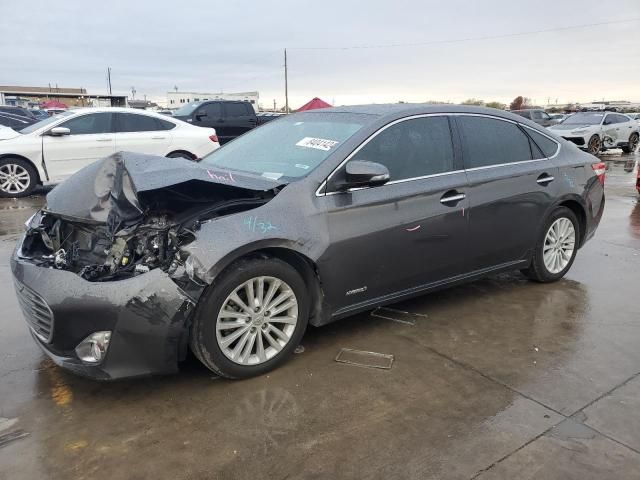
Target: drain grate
365, 359
397, 315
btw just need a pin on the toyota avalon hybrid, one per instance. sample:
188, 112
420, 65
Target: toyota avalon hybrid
136, 259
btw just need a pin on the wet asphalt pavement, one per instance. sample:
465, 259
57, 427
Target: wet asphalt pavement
497, 379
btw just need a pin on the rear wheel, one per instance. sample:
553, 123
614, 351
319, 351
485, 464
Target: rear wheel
632, 145
595, 145
18, 178
252, 319
556, 249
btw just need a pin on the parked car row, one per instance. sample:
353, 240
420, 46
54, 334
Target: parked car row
538, 116
52, 149
598, 131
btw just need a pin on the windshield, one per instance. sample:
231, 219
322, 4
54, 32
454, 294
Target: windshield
584, 118
45, 122
289, 147
187, 109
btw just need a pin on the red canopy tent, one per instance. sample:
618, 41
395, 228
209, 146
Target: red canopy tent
313, 105
52, 104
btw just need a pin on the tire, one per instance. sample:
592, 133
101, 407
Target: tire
633, 143
18, 177
595, 145
539, 269
186, 155
207, 338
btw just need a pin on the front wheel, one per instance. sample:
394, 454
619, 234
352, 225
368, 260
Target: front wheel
556, 249
18, 178
595, 145
251, 319
632, 145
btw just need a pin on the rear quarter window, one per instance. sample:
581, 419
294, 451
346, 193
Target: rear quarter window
549, 147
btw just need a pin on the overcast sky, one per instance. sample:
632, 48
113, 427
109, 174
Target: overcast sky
232, 46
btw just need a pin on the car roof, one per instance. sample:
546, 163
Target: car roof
408, 109
111, 109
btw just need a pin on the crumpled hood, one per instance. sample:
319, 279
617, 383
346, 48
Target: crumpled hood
113, 190
570, 127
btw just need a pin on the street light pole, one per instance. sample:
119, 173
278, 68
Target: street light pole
286, 84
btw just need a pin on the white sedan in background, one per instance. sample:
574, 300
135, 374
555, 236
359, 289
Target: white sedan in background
598, 131
51, 150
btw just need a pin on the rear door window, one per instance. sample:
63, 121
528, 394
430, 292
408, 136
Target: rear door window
213, 111
92, 123
131, 122
489, 141
234, 109
412, 148
620, 118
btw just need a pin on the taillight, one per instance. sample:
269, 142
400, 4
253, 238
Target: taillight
213, 138
599, 169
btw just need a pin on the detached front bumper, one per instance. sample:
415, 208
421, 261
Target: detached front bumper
147, 316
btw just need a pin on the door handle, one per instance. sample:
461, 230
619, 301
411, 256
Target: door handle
545, 179
452, 198
158, 138
104, 139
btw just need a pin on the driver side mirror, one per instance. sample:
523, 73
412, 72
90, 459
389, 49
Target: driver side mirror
59, 131
201, 115
362, 173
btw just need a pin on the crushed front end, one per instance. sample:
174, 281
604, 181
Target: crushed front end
101, 274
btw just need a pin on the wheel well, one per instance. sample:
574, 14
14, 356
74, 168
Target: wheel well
307, 270
579, 212
13, 155
193, 157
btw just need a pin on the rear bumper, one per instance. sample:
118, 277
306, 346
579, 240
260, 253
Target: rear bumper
147, 315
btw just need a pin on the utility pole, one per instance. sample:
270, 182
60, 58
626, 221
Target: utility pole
286, 84
274, 104
109, 79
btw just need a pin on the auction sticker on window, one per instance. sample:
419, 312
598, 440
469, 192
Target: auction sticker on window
317, 143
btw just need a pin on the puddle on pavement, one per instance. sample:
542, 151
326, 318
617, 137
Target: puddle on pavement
571, 429
15, 211
398, 316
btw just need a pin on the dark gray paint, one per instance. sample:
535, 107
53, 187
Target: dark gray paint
343, 242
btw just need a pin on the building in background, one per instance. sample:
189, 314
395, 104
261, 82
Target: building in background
71, 97
177, 99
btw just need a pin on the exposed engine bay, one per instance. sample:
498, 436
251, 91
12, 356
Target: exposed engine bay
128, 232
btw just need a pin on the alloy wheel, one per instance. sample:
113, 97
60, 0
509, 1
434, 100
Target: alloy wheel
559, 244
256, 320
633, 142
594, 145
14, 178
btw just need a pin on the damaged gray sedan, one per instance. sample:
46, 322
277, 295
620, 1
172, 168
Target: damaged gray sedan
136, 259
